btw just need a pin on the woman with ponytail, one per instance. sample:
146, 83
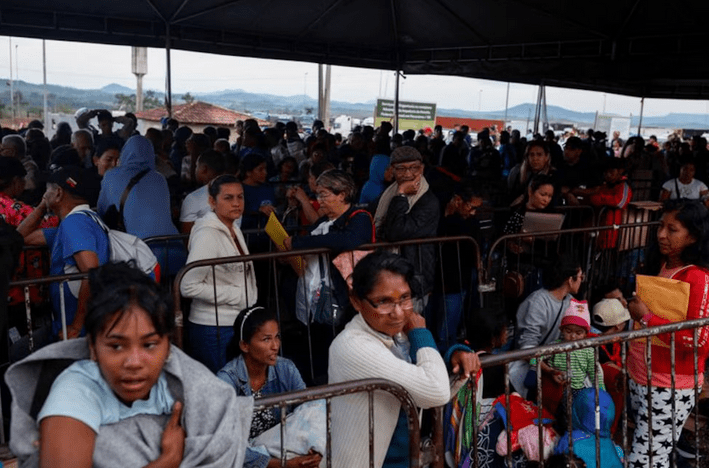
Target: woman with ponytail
254, 368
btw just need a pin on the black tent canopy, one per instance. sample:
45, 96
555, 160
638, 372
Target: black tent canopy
634, 47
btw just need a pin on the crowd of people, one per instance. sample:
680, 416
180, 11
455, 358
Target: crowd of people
398, 316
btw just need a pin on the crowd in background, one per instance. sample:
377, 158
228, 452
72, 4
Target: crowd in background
340, 192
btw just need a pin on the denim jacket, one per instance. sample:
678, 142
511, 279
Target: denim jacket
283, 377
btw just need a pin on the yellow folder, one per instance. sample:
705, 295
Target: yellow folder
666, 298
278, 235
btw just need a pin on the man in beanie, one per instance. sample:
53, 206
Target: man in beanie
77, 245
409, 210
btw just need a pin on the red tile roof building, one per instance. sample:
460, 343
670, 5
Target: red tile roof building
195, 115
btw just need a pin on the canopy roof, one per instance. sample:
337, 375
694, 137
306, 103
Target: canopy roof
634, 47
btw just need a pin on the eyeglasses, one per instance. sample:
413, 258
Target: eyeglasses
323, 195
387, 306
413, 169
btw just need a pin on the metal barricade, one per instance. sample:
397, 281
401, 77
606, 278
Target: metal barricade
275, 257
537, 250
622, 338
431, 455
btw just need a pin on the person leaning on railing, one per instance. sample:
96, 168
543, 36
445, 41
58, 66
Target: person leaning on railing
124, 396
386, 339
681, 252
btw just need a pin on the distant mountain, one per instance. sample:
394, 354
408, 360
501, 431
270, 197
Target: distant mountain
693, 121
114, 88
66, 99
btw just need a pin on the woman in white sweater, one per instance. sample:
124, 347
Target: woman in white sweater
386, 339
216, 235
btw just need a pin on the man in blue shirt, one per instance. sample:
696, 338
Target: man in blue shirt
77, 245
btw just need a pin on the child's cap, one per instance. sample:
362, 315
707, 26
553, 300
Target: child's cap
577, 314
609, 313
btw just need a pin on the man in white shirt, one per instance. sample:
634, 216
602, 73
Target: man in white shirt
210, 164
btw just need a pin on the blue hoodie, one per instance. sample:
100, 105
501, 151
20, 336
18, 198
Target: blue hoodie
147, 209
584, 433
374, 187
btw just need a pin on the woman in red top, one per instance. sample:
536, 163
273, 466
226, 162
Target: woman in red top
13, 211
681, 253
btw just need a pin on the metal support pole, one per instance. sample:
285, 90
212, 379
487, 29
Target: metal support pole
396, 102
544, 109
321, 105
44, 72
642, 108
12, 89
168, 76
537, 110
507, 102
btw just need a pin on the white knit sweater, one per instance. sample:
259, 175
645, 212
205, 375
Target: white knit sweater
236, 282
360, 352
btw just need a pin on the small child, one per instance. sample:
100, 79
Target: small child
575, 325
611, 316
490, 332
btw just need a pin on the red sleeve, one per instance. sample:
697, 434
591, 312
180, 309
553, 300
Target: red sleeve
617, 197
698, 307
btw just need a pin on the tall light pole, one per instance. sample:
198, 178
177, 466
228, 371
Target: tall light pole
44, 87
17, 75
305, 93
12, 88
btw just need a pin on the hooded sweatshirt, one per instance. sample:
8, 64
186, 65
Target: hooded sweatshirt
584, 430
147, 208
376, 184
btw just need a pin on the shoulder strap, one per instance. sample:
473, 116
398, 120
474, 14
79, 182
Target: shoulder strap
561, 307
677, 188
370, 218
96, 219
134, 180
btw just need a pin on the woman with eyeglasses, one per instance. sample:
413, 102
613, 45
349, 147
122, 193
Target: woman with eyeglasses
341, 228
218, 294
387, 339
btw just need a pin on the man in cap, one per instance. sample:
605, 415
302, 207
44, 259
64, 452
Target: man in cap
77, 245
409, 210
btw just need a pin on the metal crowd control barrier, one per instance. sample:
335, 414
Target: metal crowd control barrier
580, 244
46, 280
431, 455
623, 338
273, 257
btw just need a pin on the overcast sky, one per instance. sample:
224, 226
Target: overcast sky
92, 66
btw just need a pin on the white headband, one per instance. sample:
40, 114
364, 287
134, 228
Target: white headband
246, 316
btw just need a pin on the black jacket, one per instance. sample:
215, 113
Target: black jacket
420, 222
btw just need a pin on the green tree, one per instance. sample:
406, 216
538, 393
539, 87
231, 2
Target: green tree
188, 98
150, 100
126, 102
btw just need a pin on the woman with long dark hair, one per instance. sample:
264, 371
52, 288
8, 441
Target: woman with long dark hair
124, 396
680, 252
256, 369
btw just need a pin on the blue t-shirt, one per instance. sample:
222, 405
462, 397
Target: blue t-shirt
81, 393
254, 196
76, 233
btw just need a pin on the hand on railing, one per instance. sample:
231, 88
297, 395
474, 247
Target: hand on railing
465, 363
